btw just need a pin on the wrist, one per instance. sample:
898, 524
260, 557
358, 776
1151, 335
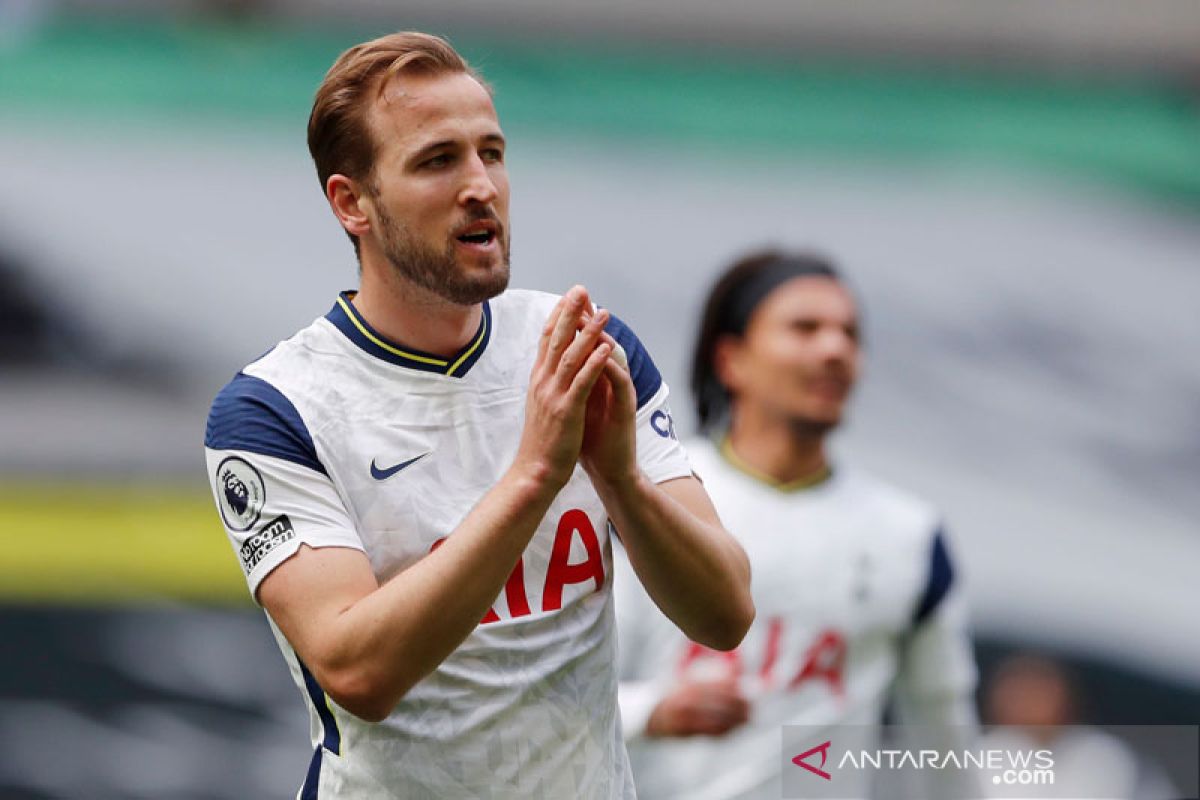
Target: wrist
535, 481
623, 487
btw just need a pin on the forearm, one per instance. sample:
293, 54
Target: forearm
378, 647
952, 711
936, 683
691, 567
935, 692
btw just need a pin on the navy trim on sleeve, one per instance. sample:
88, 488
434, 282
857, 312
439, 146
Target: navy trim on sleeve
941, 577
646, 378
251, 414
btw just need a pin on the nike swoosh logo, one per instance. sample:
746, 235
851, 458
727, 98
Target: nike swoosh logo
383, 474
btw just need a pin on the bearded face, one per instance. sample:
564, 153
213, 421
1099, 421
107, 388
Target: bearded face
437, 194
439, 271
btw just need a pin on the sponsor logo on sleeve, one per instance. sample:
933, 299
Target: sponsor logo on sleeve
240, 493
663, 424
260, 545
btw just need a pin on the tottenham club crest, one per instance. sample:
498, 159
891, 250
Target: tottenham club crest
240, 493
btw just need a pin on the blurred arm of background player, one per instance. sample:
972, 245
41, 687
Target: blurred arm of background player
935, 684
933, 695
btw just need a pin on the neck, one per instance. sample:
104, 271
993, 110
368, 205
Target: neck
776, 449
412, 315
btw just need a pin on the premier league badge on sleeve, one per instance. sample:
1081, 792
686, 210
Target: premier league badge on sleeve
240, 493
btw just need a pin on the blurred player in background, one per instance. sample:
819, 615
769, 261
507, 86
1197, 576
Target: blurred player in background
1036, 702
420, 484
854, 586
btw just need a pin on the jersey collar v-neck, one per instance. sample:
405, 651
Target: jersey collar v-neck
345, 318
820, 478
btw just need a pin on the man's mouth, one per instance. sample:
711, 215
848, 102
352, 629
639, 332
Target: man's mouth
483, 237
830, 384
481, 233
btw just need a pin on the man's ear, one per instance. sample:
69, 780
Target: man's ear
349, 203
727, 361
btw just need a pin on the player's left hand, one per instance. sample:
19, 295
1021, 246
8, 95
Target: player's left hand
609, 451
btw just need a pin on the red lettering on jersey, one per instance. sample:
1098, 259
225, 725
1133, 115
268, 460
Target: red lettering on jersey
825, 660
514, 591
774, 634
695, 652
560, 573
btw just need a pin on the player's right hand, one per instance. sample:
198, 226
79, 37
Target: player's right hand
703, 708
571, 356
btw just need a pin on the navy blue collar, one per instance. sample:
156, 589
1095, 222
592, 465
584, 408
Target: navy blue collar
345, 318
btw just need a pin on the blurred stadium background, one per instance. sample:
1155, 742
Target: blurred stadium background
1014, 188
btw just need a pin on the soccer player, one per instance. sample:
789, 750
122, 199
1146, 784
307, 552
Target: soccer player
420, 484
853, 583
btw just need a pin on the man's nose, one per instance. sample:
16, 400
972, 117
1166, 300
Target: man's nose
478, 186
836, 343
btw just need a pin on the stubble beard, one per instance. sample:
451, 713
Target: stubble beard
802, 427
811, 426
439, 272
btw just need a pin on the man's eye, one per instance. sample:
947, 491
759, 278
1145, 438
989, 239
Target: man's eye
806, 326
492, 154
439, 160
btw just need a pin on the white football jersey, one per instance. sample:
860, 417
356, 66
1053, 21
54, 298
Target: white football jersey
338, 437
855, 597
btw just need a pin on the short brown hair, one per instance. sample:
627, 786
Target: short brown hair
339, 137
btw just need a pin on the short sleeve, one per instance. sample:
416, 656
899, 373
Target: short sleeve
659, 453
271, 490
